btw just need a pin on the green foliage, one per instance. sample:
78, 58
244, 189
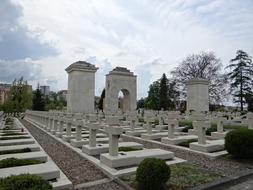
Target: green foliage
240, 77
164, 101
20, 97
38, 101
101, 100
128, 149
213, 128
187, 143
141, 103
24, 182
182, 176
13, 162
152, 101
152, 173
186, 124
12, 134
239, 143
15, 151
17, 137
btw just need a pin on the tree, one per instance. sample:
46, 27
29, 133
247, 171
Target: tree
141, 103
20, 97
164, 101
38, 101
153, 99
204, 65
101, 100
241, 77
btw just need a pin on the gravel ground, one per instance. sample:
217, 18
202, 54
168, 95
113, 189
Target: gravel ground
221, 166
77, 169
106, 186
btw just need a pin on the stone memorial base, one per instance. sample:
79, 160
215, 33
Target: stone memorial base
132, 158
154, 136
178, 139
210, 146
193, 132
218, 135
104, 148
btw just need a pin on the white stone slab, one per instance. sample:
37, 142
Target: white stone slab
28, 155
16, 142
154, 136
178, 139
210, 146
218, 135
134, 157
104, 148
47, 171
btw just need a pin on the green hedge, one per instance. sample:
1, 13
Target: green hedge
239, 143
127, 149
11, 138
13, 162
152, 174
187, 143
15, 151
24, 182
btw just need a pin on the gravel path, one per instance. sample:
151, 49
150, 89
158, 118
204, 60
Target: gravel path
221, 166
76, 168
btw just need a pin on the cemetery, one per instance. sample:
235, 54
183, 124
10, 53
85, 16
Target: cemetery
116, 145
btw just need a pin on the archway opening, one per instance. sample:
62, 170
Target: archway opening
124, 100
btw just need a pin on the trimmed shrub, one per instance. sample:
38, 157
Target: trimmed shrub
24, 182
127, 149
15, 151
239, 143
13, 162
152, 173
185, 129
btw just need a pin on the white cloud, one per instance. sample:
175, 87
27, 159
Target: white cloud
152, 36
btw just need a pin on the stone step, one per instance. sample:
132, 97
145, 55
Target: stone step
29, 155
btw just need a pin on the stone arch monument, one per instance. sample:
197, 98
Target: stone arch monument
81, 87
120, 79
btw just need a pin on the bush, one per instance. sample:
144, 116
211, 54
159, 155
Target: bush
239, 143
127, 149
15, 151
185, 129
152, 173
13, 162
24, 182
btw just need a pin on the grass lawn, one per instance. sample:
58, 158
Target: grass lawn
182, 176
12, 138
14, 162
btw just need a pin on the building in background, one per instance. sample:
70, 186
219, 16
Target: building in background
45, 90
4, 92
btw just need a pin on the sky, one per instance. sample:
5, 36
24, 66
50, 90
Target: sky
40, 38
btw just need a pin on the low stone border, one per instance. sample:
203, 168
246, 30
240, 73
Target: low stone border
225, 182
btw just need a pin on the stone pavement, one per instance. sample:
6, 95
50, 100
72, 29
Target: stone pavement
246, 185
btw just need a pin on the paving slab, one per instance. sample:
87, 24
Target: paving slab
28, 155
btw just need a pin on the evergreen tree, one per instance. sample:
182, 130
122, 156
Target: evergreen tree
164, 92
101, 100
153, 99
241, 77
141, 103
38, 101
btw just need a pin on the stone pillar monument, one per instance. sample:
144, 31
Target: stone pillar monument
81, 87
197, 95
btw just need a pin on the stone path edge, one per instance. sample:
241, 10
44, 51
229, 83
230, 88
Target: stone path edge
225, 182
